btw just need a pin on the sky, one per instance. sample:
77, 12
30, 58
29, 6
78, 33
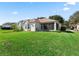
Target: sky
16, 11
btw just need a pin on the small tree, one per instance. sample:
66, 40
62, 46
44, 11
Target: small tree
0, 26
14, 27
57, 17
41, 17
66, 24
74, 19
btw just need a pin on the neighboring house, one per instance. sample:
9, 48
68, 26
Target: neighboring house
39, 25
6, 26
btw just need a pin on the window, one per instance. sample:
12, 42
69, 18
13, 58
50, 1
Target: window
28, 26
52, 26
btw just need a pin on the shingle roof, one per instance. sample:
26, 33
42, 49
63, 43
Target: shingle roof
41, 21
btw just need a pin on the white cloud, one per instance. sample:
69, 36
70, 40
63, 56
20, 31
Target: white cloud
69, 3
55, 11
15, 12
66, 9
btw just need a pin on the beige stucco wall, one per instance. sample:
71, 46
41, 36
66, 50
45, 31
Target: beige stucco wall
37, 26
33, 28
59, 26
24, 27
78, 27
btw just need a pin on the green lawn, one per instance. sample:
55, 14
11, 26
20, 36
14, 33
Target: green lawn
39, 43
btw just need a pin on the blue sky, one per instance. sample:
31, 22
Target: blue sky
16, 11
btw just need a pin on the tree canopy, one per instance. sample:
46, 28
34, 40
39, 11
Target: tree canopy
41, 17
57, 17
74, 19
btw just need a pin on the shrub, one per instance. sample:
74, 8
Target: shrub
15, 28
63, 28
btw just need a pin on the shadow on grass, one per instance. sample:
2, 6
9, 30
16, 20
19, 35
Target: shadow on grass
68, 31
11, 31
57, 31
6, 31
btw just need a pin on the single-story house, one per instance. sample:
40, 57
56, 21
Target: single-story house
39, 25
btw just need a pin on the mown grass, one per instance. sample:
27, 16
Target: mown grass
39, 43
